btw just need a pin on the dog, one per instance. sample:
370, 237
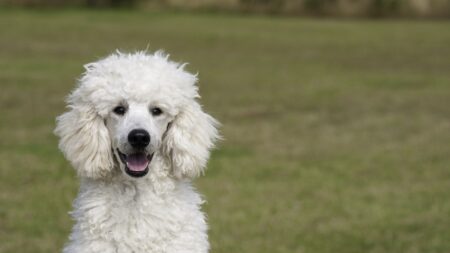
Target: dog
136, 135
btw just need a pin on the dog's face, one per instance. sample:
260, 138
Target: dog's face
136, 130
137, 112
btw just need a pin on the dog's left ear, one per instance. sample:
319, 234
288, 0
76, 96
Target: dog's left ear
188, 141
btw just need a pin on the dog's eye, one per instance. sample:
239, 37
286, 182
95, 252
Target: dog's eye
120, 110
156, 111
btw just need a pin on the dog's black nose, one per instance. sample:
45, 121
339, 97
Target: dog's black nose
139, 138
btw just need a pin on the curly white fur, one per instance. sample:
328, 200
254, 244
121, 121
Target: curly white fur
159, 212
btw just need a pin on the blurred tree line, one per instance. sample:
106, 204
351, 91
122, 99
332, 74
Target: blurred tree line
351, 8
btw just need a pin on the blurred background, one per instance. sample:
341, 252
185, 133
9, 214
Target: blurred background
335, 113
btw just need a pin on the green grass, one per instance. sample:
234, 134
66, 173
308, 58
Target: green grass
337, 133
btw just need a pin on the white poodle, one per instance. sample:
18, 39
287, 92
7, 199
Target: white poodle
136, 136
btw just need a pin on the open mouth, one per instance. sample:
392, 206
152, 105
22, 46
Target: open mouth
136, 164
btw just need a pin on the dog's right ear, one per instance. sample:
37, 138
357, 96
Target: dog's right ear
85, 141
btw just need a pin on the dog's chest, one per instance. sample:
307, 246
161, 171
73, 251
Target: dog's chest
129, 217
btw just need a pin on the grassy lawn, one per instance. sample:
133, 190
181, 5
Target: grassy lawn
337, 133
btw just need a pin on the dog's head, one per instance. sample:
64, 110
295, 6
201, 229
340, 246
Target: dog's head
131, 109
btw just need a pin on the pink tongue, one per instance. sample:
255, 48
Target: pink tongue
137, 162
